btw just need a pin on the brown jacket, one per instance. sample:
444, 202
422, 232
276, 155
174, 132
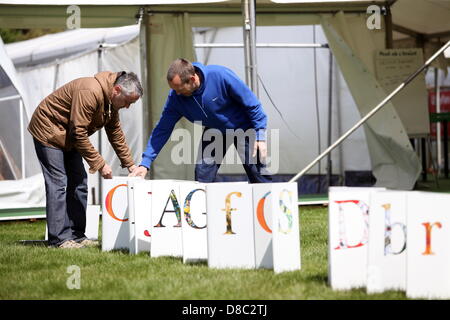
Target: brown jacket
67, 117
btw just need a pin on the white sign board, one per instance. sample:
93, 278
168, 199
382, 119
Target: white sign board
231, 242
428, 238
387, 242
285, 227
115, 228
166, 219
348, 216
277, 234
262, 207
393, 66
92, 221
193, 221
139, 207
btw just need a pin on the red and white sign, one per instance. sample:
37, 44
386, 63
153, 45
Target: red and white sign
445, 107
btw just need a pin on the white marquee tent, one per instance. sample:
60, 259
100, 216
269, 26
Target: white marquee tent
166, 33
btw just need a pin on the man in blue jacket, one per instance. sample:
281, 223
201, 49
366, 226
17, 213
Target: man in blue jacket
216, 97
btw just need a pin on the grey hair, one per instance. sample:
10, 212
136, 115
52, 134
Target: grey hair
130, 84
181, 67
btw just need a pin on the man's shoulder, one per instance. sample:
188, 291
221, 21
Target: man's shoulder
89, 87
212, 68
85, 83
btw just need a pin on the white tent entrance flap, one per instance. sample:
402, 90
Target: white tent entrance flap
21, 184
13, 121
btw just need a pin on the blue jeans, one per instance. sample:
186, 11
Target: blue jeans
209, 160
66, 193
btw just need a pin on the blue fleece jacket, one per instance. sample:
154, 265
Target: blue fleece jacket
223, 101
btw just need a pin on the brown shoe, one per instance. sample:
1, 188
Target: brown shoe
89, 243
70, 244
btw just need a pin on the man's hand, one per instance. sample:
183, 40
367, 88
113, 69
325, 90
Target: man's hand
106, 171
262, 147
130, 169
139, 172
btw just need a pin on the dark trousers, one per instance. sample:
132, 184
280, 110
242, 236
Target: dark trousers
66, 193
209, 159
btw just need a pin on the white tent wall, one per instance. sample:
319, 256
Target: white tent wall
43, 80
21, 182
288, 75
394, 162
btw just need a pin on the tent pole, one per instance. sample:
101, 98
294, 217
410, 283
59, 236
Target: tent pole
389, 27
330, 109
248, 9
148, 86
371, 113
438, 124
100, 182
144, 42
22, 140
143, 63
10, 98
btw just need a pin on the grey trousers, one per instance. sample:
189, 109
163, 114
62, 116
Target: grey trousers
66, 193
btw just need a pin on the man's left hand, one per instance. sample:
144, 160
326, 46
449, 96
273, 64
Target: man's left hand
130, 169
262, 147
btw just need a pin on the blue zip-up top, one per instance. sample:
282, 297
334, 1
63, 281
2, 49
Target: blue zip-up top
223, 101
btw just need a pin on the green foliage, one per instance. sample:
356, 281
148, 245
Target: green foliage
37, 272
14, 35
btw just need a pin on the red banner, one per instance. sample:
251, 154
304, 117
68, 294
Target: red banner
445, 107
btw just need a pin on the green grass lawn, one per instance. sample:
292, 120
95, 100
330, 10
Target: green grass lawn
37, 272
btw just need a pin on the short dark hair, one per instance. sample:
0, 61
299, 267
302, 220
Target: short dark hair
129, 82
181, 67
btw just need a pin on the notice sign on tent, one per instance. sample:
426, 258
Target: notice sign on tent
393, 66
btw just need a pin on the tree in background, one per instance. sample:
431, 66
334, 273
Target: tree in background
14, 35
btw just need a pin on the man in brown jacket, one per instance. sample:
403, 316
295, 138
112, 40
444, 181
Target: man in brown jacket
61, 126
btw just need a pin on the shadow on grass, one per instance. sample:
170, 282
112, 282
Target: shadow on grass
122, 251
197, 262
321, 278
37, 243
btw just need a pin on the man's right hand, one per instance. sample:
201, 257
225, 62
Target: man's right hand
139, 172
106, 171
